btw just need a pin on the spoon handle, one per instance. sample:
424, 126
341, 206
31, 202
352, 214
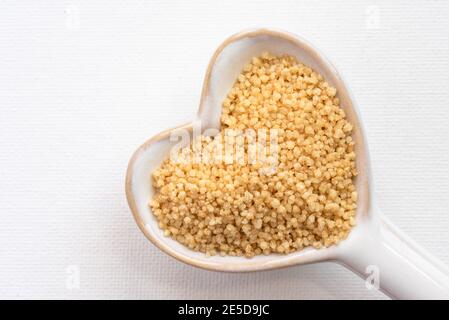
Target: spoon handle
389, 259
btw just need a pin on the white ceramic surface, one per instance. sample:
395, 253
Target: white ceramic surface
405, 270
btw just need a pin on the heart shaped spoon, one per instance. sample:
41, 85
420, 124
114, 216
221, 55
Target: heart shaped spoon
375, 249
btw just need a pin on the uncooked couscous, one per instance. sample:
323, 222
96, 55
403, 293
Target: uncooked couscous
237, 209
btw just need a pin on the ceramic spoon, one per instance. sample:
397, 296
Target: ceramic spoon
374, 246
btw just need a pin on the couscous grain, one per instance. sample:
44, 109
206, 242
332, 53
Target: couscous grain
230, 208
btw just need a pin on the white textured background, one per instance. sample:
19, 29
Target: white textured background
83, 83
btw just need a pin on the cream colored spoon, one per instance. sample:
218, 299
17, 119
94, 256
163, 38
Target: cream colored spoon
374, 246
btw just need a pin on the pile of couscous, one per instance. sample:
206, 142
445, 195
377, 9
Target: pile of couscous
238, 209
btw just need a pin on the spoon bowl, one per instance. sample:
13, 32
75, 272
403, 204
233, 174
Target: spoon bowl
374, 248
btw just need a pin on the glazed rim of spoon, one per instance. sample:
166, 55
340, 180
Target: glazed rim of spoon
310, 56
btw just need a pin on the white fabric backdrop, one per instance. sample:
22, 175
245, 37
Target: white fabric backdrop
83, 83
